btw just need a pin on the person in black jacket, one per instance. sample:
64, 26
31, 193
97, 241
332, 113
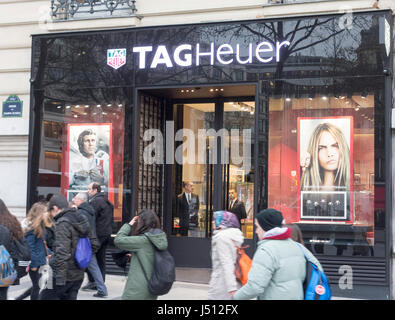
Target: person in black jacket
187, 208
236, 206
104, 210
80, 200
70, 225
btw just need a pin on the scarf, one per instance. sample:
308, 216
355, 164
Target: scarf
278, 234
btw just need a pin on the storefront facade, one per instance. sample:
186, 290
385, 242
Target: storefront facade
249, 107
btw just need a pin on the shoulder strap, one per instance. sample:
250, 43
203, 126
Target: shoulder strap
301, 249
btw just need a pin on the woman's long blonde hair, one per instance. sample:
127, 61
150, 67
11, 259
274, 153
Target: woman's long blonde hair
38, 218
312, 177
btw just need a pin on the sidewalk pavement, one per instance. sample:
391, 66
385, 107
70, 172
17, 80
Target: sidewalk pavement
115, 284
180, 291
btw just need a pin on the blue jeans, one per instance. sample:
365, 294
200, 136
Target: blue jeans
97, 275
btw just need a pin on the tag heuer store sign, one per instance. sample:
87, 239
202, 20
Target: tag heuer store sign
12, 107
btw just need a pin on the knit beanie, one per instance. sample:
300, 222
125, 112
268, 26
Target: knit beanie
269, 219
58, 200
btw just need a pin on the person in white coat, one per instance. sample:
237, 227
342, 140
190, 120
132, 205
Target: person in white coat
226, 236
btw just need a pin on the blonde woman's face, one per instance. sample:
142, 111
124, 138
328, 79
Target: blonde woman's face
328, 152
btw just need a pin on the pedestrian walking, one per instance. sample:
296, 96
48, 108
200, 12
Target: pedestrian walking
227, 236
83, 207
10, 231
296, 234
145, 225
279, 266
37, 222
69, 227
104, 210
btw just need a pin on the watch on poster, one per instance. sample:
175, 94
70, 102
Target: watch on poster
325, 151
88, 158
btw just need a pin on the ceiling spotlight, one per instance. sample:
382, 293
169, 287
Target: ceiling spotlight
77, 106
68, 107
182, 90
357, 108
87, 106
324, 98
211, 90
59, 107
222, 89
288, 99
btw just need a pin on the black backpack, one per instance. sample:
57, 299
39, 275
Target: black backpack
164, 273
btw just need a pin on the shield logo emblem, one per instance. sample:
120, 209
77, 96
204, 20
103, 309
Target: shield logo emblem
116, 58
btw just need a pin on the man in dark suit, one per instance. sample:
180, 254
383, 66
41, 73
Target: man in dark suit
187, 208
236, 206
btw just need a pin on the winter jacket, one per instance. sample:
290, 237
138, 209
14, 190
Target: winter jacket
87, 210
278, 269
223, 257
38, 253
104, 215
69, 227
136, 287
5, 238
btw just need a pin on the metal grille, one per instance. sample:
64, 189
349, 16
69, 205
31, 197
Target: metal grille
150, 187
364, 271
70, 9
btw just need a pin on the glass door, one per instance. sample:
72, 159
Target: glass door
193, 170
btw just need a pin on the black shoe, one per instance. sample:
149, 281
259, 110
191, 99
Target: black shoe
89, 286
99, 295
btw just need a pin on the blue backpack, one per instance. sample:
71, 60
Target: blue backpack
83, 253
316, 285
8, 272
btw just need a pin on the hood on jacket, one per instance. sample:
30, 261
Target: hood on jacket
158, 238
234, 234
278, 234
87, 208
77, 220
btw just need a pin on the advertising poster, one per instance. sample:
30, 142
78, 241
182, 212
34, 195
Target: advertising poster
325, 152
88, 158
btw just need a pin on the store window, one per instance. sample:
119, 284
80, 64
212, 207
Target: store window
82, 143
325, 169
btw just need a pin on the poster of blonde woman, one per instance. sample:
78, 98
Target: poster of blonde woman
325, 152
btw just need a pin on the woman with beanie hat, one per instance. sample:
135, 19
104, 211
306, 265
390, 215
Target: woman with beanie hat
226, 236
279, 266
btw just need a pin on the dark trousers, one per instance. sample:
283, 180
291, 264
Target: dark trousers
69, 292
34, 291
101, 259
35, 277
3, 293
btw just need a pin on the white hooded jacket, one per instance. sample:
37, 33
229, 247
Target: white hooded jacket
223, 257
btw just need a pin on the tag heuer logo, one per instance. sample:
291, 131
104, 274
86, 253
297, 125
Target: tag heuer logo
116, 58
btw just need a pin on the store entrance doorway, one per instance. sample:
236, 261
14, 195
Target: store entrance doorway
208, 146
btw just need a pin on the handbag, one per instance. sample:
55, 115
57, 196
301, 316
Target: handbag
121, 258
243, 265
45, 271
22, 256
